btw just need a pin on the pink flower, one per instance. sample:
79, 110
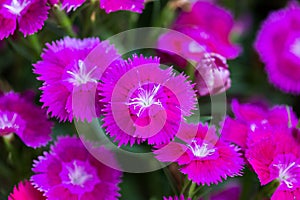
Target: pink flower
278, 46
116, 5
250, 118
278, 158
144, 102
208, 26
70, 172
212, 75
203, 157
70, 70
26, 15
25, 190
181, 197
19, 115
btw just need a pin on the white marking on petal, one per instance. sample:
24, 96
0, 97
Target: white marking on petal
295, 47
77, 175
201, 151
80, 75
145, 99
16, 7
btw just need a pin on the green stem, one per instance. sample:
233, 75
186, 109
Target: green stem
268, 190
186, 184
190, 71
289, 116
35, 44
191, 190
170, 179
64, 21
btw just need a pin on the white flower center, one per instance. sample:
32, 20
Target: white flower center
16, 7
80, 75
145, 99
5, 122
201, 151
77, 175
285, 174
295, 47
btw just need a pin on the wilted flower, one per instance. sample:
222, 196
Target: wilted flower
19, 115
26, 15
70, 172
278, 43
144, 102
203, 156
26, 191
212, 75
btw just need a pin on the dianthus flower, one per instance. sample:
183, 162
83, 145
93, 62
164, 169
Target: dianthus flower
203, 156
25, 190
19, 115
208, 26
70, 76
249, 118
26, 15
144, 102
69, 171
212, 75
277, 158
278, 44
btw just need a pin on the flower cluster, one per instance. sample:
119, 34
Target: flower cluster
139, 101
269, 140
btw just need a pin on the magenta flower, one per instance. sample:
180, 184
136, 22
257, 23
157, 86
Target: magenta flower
70, 172
19, 115
212, 75
25, 190
144, 102
211, 35
70, 74
250, 118
278, 46
278, 158
181, 197
116, 5
28, 15
203, 156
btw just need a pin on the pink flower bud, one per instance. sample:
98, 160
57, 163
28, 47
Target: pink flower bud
212, 75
